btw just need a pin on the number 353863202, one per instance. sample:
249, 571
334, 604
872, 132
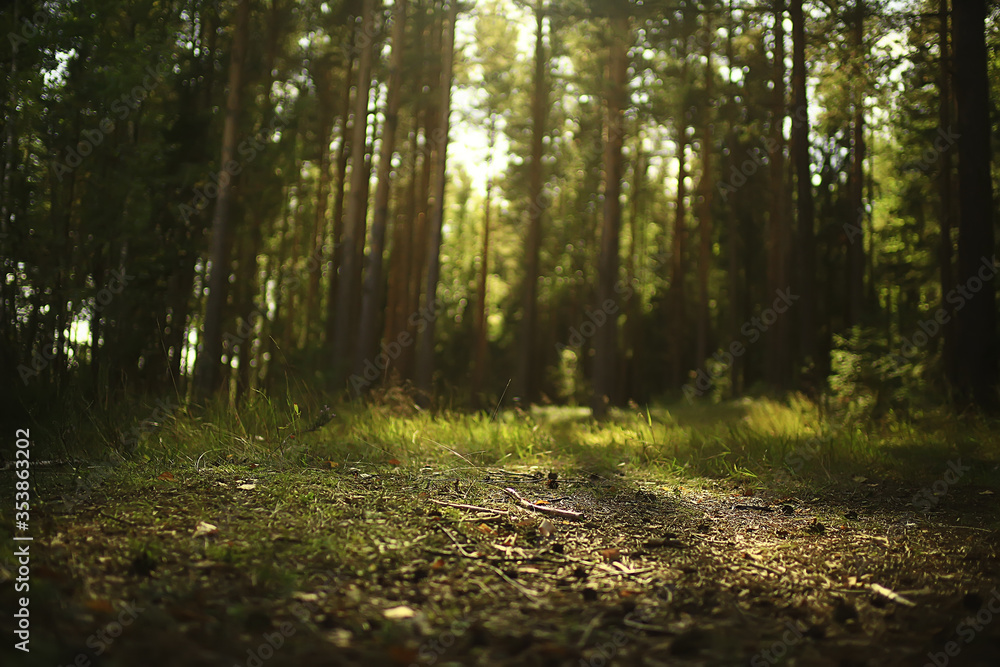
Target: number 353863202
22, 463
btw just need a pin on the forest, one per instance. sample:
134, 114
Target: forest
351, 324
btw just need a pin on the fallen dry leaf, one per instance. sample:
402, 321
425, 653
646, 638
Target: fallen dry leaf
205, 528
399, 612
100, 606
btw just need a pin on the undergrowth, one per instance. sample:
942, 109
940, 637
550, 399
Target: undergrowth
761, 441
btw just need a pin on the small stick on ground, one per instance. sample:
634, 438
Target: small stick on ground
114, 518
473, 508
526, 592
758, 508
454, 540
555, 511
763, 567
892, 595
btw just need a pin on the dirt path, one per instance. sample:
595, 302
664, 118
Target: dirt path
249, 566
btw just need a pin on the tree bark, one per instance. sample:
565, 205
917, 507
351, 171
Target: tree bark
479, 365
208, 379
368, 338
606, 339
805, 207
675, 293
705, 207
977, 320
425, 351
357, 205
946, 248
527, 363
337, 224
856, 241
777, 368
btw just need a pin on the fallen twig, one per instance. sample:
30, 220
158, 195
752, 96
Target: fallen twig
892, 595
763, 567
114, 518
555, 511
454, 540
474, 508
526, 592
759, 508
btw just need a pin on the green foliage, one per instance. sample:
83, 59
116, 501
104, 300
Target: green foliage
870, 379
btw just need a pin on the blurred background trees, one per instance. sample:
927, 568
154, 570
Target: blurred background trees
545, 200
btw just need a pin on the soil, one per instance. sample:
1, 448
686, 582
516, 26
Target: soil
377, 565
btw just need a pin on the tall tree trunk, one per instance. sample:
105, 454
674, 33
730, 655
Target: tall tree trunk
777, 346
9, 286
736, 284
705, 205
337, 223
402, 257
606, 338
629, 375
319, 223
527, 350
479, 365
8, 157
425, 351
429, 116
368, 338
977, 320
805, 207
946, 247
209, 361
856, 245
420, 234
357, 205
248, 286
279, 321
675, 293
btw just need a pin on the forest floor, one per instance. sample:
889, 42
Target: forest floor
327, 562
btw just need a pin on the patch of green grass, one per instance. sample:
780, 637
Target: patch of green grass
758, 442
